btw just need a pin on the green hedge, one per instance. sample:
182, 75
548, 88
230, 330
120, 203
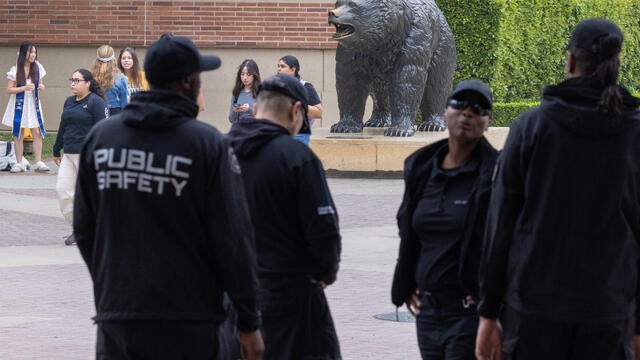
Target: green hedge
518, 46
503, 114
475, 25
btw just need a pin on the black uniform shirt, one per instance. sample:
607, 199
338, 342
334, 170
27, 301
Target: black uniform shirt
438, 220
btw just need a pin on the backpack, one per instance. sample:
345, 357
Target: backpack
8, 156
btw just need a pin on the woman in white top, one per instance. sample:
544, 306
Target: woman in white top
24, 110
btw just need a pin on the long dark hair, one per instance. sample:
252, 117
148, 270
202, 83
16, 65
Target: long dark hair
21, 77
602, 63
135, 69
252, 68
94, 87
292, 62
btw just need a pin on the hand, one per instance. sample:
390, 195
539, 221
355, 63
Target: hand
40, 86
636, 347
489, 340
29, 87
244, 107
57, 159
251, 345
413, 303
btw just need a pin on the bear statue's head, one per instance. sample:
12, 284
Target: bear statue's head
366, 23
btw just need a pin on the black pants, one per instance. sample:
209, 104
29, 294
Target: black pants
158, 340
528, 338
446, 331
296, 321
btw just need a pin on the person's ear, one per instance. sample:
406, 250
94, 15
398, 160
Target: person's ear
570, 65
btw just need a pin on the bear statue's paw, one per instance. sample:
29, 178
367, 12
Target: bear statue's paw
433, 123
400, 131
377, 122
346, 127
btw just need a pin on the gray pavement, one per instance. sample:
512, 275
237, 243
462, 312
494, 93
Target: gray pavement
46, 300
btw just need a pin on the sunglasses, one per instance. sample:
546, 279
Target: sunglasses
463, 104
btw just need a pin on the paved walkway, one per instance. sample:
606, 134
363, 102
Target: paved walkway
46, 300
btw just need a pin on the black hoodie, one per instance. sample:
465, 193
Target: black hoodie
161, 218
295, 219
564, 221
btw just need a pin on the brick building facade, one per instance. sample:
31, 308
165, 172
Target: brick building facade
67, 32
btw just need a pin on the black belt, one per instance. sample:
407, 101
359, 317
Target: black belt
445, 297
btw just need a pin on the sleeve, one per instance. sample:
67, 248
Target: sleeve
84, 210
143, 80
41, 70
314, 98
408, 253
11, 74
58, 144
232, 115
507, 199
99, 109
320, 220
123, 95
231, 231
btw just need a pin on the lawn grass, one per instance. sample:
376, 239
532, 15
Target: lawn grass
47, 144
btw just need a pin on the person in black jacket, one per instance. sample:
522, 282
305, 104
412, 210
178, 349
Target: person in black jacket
441, 221
296, 225
560, 260
162, 223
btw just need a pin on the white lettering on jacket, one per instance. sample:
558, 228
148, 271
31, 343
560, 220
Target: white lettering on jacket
133, 169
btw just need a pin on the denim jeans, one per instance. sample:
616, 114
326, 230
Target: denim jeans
447, 332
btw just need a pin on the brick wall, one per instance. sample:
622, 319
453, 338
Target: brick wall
251, 24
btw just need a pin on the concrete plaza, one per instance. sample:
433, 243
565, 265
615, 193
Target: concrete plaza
46, 300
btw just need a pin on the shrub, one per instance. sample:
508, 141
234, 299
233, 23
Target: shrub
504, 114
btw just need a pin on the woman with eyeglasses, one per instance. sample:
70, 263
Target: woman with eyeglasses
129, 64
80, 112
24, 110
111, 80
245, 90
441, 223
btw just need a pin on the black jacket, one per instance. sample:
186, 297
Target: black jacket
161, 218
295, 219
564, 220
416, 172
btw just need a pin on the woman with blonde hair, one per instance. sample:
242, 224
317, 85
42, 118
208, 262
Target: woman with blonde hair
111, 80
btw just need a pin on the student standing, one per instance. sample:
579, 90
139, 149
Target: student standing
24, 110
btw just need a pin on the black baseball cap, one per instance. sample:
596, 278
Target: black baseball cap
475, 86
173, 57
588, 32
289, 86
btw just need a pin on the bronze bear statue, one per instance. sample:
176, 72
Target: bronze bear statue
402, 53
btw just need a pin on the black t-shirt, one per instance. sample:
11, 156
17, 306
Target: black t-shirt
314, 99
439, 220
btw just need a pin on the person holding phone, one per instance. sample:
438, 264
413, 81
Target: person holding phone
243, 96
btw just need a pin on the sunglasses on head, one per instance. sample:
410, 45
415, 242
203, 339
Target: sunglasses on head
463, 104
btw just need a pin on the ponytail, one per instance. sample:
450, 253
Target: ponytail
602, 63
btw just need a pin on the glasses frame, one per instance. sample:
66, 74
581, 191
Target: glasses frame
76, 81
